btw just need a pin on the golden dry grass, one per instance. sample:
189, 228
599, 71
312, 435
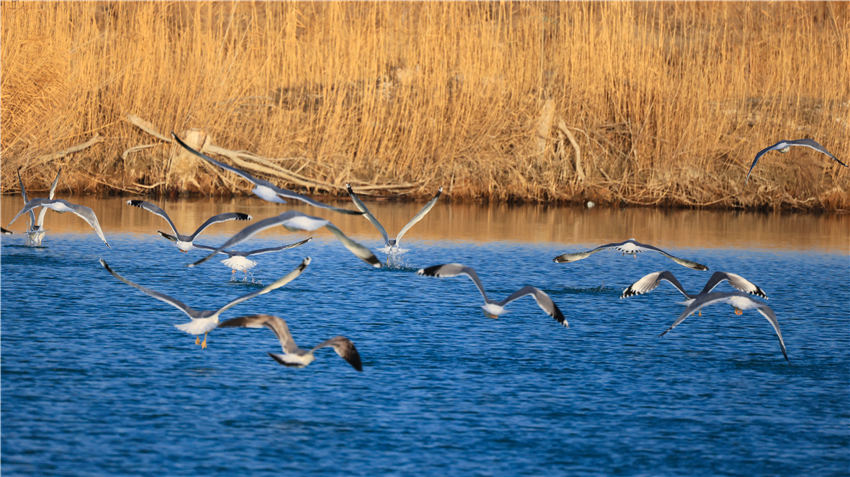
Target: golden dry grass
667, 103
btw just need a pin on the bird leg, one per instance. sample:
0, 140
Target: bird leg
699, 313
738, 312
197, 340
204, 344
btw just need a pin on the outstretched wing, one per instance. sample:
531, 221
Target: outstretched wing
276, 249
543, 301
226, 217
159, 296
574, 257
274, 286
345, 348
816, 146
680, 261
274, 323
452, 270
650, 282
43, 211
24, 193
358, 250
416, 218
736, 281
778, 145
362, 208
154, 210
768, 313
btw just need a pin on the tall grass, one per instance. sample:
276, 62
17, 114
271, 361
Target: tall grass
667, 103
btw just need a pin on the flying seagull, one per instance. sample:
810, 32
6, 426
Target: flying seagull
785, 146
239, 261
293, 356
630, 247
62, 206
35, 230
740, 301
204, 321
292, 221
651, 281
263, 188
392, 245
184, 242
492, 308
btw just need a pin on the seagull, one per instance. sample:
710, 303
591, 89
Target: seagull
494, 309
35, 231
740, 301
785, 146
651, 281
293, 356
239, 261
293, 220
184, 242
62, 206
262, 188
204, 321
391, 245
631, 247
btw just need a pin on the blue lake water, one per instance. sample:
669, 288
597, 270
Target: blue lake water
97, 380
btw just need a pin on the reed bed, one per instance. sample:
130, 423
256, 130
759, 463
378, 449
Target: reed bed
618, 103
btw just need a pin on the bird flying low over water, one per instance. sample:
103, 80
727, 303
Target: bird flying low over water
263, 188
630, 247
62, 206
293, 220
184, 242
740, 301
492, 308
204, 321
239, 261
293, 356
35, 231
785, 146
651, 281
392, 245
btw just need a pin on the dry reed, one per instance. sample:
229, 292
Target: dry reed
654, 103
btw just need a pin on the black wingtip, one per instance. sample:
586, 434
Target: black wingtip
241, 216
135, 202
429, 271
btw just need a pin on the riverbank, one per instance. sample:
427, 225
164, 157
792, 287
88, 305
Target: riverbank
621, 104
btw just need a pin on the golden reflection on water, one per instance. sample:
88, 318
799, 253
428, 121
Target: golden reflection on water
480, 223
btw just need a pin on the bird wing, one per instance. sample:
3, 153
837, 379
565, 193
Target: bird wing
543, 301
650, 282
24, 193
814, 145
736, 281
452, 270
358, 250
207, 158
159, 296
43, 211
273, 286
303, 198
680, 261
274, 323
345, 348
226, 217
248, 232
416, 218
778, 145
154, 210
768, 313
276, 249
574, 257
85, 213
362, 208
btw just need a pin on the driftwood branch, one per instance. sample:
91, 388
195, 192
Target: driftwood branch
562, 126
56, 155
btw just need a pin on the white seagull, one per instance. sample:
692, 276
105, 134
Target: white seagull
492, 308
631, 247
293, 220
740, 301
239, 261
263, 188
293, 356
62, 206
35, 230
204, 321
785, 146
651, 281
392, 245
185, 242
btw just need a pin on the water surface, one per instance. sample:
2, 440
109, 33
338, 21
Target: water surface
96, 379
